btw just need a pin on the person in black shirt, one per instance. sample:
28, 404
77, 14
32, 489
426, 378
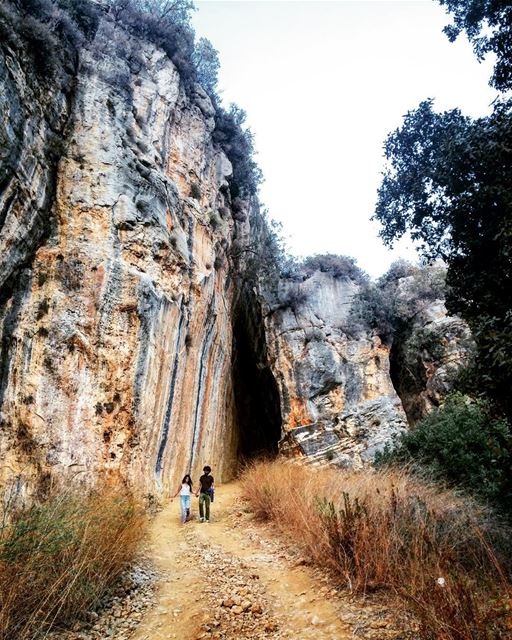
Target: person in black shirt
205, 494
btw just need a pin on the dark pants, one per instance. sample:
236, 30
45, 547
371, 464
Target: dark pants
204, 505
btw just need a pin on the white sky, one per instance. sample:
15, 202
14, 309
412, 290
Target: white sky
323, 82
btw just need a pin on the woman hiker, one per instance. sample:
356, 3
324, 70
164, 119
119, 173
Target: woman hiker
205, 494
185, 490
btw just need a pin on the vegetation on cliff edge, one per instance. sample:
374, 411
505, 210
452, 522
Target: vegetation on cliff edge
52, 33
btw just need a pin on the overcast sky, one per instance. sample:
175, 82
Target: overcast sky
323, 82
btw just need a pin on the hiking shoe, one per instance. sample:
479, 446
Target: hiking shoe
202, 520
207, 521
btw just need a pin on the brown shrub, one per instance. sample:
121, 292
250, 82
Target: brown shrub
388, 530
58, 560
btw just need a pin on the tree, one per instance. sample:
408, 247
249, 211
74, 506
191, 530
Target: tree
488, 25
449, 182
206, 59
175, 11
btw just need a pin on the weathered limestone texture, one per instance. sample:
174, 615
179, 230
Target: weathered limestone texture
116, 335
337, 399
426, 358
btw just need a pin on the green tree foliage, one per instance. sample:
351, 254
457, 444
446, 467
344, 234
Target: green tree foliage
337, 266
464, 444
488, 25
206, 60
388, 305
449, 182
238, 145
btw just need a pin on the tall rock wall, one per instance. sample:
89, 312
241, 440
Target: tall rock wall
337, 398
134, 345
115, 320
345, 394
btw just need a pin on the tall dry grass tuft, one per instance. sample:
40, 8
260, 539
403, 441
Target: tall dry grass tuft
386, 529
59, 559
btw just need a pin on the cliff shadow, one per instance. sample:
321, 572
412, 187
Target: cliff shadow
256, 394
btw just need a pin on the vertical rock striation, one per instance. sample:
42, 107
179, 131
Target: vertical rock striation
133, 344
116, 329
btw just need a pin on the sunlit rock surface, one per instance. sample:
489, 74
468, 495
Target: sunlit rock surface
116, 333
338, 402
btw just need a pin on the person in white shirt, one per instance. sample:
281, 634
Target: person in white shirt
185, 491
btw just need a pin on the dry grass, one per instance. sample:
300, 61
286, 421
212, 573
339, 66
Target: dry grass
389, 530
59, 559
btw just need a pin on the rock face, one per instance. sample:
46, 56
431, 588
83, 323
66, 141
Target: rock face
427, 356
337, 398
132, 347
343, 397
116, 329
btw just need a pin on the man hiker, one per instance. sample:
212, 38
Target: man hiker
205, 494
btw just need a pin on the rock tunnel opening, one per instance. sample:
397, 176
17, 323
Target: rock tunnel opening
255, 388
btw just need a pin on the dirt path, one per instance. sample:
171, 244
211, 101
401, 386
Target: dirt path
231, 579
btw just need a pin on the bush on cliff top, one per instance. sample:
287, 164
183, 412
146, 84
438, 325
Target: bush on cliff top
392, 531
386, 306
58, 560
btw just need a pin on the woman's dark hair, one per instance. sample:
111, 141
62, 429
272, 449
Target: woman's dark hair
207, 469
187, 479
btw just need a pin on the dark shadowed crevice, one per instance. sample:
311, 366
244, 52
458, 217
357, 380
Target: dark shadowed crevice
256, 394
407, 375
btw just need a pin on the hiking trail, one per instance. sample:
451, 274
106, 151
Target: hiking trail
233, 579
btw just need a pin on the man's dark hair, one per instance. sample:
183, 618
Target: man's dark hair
207, 469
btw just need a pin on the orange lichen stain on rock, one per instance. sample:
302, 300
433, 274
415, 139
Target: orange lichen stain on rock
337, 399
168, 220
299, 415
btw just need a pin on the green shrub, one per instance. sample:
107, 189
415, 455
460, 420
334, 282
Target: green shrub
337, 266
388, 305
463, 444
238, 144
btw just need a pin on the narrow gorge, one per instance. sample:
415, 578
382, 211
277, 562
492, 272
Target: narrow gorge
133, 345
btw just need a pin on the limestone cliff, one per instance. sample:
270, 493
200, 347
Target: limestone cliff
115, 313
338, 401
344, 395
134, 343
428, 354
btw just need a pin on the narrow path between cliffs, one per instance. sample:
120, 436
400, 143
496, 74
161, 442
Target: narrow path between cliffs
232, 579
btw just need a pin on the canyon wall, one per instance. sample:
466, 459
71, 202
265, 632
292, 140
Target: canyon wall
134, 343
115, 313
345, 394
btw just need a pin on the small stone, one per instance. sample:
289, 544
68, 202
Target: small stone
228, 602
237, 609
